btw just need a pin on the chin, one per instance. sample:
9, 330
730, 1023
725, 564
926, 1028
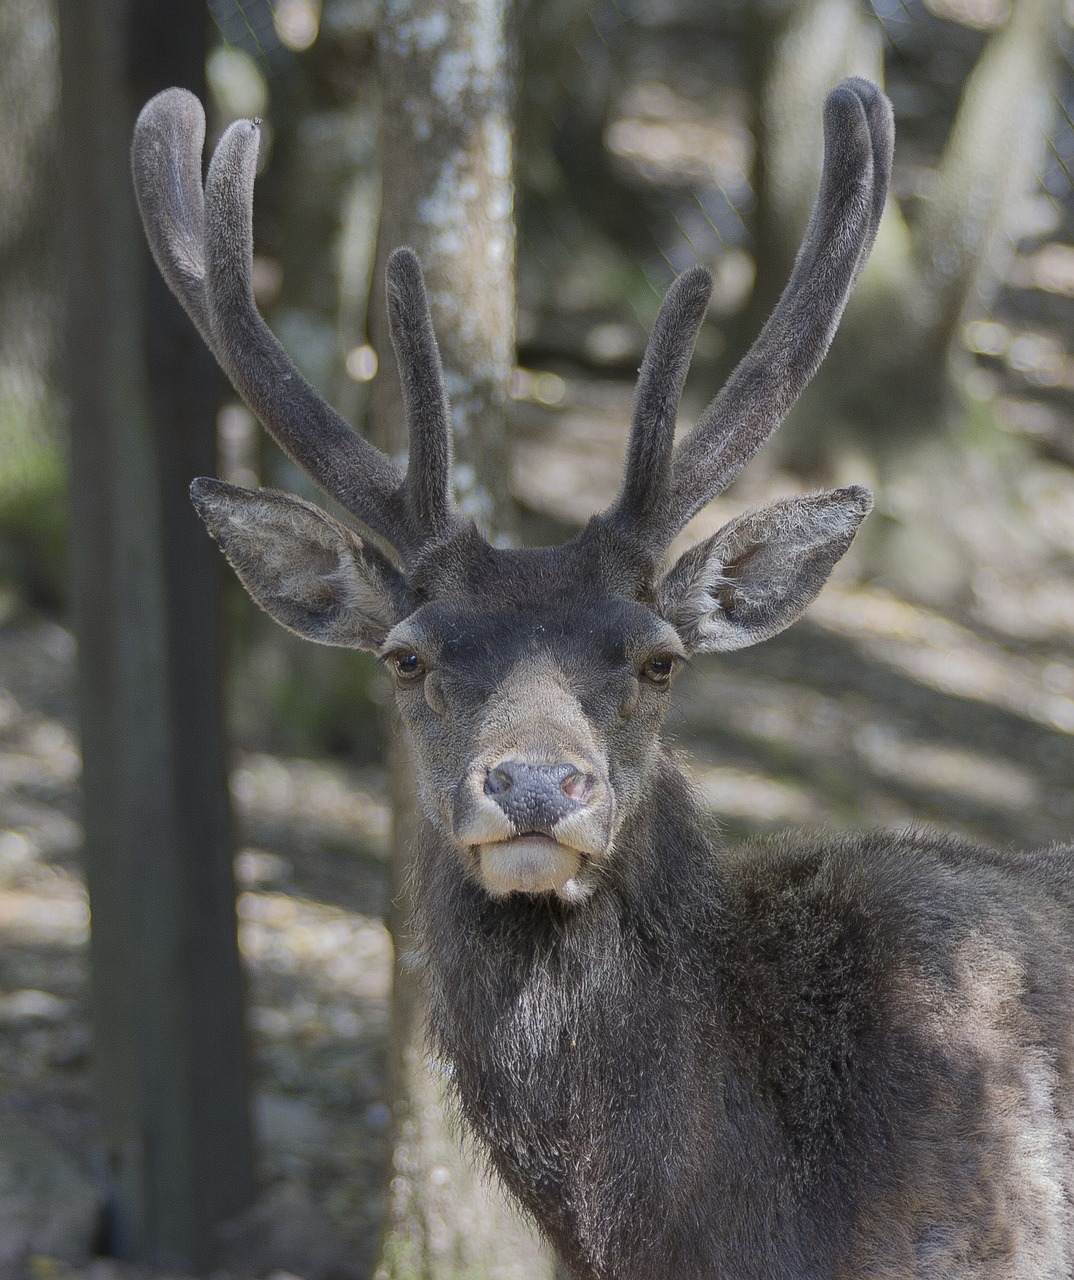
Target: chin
533, 865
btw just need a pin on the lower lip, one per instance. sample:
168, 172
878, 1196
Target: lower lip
527, 864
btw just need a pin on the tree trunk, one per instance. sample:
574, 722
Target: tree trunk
168, 1043
447, 192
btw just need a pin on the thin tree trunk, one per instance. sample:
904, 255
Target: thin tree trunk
169, 1053
447, 191
995, 143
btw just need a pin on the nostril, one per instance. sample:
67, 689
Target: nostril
498, 781
577, 786
544, 791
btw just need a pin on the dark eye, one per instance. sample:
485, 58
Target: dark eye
406, 664
658, 669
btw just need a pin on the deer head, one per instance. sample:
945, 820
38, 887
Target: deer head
532, 682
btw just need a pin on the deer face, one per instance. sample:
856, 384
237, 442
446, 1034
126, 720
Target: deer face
532, 683
533, 708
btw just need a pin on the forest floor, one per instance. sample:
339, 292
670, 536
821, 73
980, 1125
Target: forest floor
874, 711
318, 959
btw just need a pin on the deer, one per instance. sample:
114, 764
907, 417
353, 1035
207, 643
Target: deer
823, 1056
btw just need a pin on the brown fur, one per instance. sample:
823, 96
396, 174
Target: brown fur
807, 1059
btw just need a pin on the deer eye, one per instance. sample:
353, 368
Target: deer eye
406, 664
659, 668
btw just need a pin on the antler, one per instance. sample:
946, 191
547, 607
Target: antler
660, 494
647, 477
203, 244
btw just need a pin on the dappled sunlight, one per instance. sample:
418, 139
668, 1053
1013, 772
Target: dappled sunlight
939, 653
759, 800
318, 966
671, 139
953, 771
568, 457
801, 734
58, 917
339, 952
323, 798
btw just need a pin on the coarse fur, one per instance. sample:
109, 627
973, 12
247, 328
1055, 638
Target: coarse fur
809, 1058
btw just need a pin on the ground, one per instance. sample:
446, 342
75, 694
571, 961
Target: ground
318, 957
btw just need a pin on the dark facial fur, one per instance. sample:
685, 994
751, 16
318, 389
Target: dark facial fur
523, 731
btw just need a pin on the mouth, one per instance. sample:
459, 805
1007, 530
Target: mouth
530, 863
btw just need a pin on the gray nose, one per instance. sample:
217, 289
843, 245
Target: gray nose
536, 796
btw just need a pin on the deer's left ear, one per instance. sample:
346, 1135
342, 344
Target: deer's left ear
759, 573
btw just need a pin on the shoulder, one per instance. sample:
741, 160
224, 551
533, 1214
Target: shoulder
903, 881
850, 964
867, 932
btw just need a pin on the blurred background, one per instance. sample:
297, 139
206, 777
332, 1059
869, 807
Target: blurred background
933, 682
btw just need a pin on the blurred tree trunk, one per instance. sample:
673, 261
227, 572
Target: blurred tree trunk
907, 309
32, 510
447, 192
168, 1044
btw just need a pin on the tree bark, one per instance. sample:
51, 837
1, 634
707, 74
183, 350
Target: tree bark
446, 148
168, 1043
447, 192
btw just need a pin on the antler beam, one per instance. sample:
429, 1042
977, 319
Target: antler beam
202, 242
647, 477
858, 143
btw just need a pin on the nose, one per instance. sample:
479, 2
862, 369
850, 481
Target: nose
536, 796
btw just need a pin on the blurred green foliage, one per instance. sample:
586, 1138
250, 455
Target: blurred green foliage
320, 702
33, 501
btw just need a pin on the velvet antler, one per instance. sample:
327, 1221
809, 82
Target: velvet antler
660, 493
203, 244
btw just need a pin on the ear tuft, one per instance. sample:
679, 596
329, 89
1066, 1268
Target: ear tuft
759, 573
203, 490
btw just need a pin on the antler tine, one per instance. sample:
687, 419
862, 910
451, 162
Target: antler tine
425, 402
858, 137
882, 136
203, 244
647, 472
166, 164
345, 465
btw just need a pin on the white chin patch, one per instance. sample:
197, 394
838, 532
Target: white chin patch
530, 864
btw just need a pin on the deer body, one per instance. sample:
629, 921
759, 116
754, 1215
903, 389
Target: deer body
806, 1058
787, 1074
800, 1058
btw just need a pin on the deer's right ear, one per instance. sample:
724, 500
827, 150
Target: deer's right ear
310, 572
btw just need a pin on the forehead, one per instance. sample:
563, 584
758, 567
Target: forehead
519, 602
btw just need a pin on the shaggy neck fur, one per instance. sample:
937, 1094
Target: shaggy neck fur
579, 1037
